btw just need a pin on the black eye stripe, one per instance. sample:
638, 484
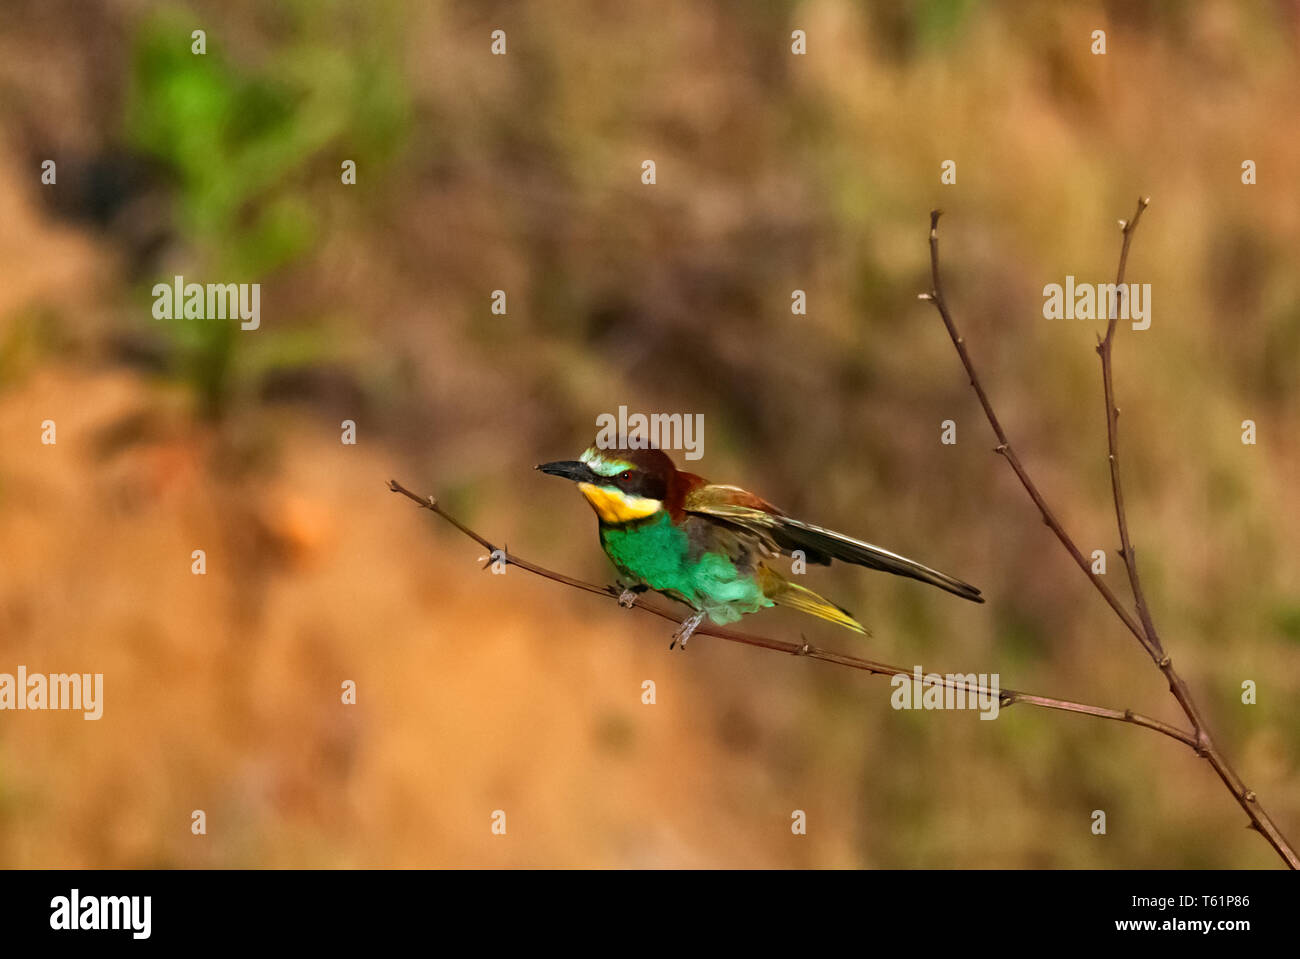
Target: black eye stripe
642, 484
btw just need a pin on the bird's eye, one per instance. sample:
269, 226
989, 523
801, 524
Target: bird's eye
627, 474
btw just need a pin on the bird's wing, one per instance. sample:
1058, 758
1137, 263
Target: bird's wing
730, 504
742, 511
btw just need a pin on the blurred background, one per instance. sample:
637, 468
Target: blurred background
522, 173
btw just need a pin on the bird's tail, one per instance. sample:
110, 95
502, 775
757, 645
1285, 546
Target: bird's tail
785, 593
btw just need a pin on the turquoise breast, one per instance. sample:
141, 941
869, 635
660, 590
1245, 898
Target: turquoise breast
659, 555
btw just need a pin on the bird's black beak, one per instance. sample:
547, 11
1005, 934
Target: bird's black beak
570, 470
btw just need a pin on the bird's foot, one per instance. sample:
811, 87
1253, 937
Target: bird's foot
686, 630
627, 598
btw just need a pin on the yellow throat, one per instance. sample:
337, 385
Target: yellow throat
615, 506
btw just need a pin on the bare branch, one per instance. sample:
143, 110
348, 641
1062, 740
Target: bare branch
1142, 627
1147, 636
1008, 697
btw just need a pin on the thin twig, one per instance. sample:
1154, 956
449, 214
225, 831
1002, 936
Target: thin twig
1147, 636
1142, 627
1008, 697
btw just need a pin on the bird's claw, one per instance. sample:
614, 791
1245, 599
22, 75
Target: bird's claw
686, 630
627, 598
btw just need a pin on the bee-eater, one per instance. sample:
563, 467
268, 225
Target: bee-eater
709, 546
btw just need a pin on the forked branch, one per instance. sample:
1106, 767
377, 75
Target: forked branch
1141, 626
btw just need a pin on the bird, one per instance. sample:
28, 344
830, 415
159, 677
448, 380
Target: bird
712, 546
